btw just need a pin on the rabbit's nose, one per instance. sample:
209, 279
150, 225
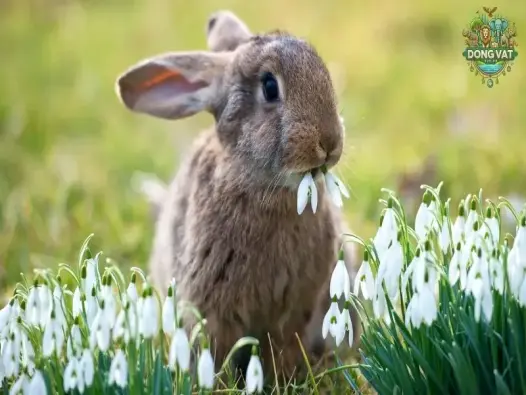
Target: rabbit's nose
329, 151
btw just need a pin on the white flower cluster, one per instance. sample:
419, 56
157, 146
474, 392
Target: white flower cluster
35, 326
402, 267
308, 189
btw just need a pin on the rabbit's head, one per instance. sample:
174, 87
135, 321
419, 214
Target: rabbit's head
271, 95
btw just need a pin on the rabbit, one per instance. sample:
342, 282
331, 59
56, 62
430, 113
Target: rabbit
228, 230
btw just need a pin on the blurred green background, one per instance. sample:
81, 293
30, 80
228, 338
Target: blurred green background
68, 149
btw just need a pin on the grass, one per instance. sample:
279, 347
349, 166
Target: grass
68, 149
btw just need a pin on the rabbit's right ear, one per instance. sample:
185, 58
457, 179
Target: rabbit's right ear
173, 85
225, 31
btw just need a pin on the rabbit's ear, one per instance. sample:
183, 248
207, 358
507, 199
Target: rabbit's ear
225, 31
173, 85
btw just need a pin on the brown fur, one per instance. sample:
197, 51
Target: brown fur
229, 232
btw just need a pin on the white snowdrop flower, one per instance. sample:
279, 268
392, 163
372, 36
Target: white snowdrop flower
390, 269
333, 323
53, 338
388, 230
421, 268
77, 303
59, 307
334, 311
347, 322
168, 313
73, 376
425, 220
520, 243
74, 343
521, 296
422, 308
479, 269
46, 304
458, 268
409, 271
89, 274
515, 271
380, 305
179, 351
364, 280
492, 227
100, 331
340, 284
27, 352
110, 305
336, 189
11, 354
5, 317
479, 285
119, 370
149, 315
459, 226
496, 268
87, 367
92, 307
473, 217
126, 324
483, 299
254, 373
205, 369
37, 385
131, 291
306, 189
33, 306
445, 237
21, 386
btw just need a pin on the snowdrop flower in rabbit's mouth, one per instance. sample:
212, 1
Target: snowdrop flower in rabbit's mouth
307, 189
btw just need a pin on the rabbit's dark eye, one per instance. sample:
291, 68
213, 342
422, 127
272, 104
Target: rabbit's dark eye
270, 87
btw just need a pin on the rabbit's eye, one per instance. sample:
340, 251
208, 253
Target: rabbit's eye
270, 87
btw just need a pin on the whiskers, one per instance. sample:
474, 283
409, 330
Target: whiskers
271, 188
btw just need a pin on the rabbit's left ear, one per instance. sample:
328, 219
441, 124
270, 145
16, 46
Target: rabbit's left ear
173, 85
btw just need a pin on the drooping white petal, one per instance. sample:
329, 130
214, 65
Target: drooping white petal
205, 369
391, 268
340, 283
458, 230
347, 324
422, 220
254, 375
77, 303
364, 281
71, 376
91, 275
33, 307
313, 196
180, 350
87, 367
303, 193
131, 293
427, 305
168, 316
333, 190
149, 319
21, 386
46, 304
445, 238
118, 374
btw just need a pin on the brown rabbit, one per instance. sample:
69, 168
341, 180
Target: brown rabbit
229, 231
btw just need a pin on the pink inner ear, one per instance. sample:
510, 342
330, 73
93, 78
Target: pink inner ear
174, 81
160, 78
